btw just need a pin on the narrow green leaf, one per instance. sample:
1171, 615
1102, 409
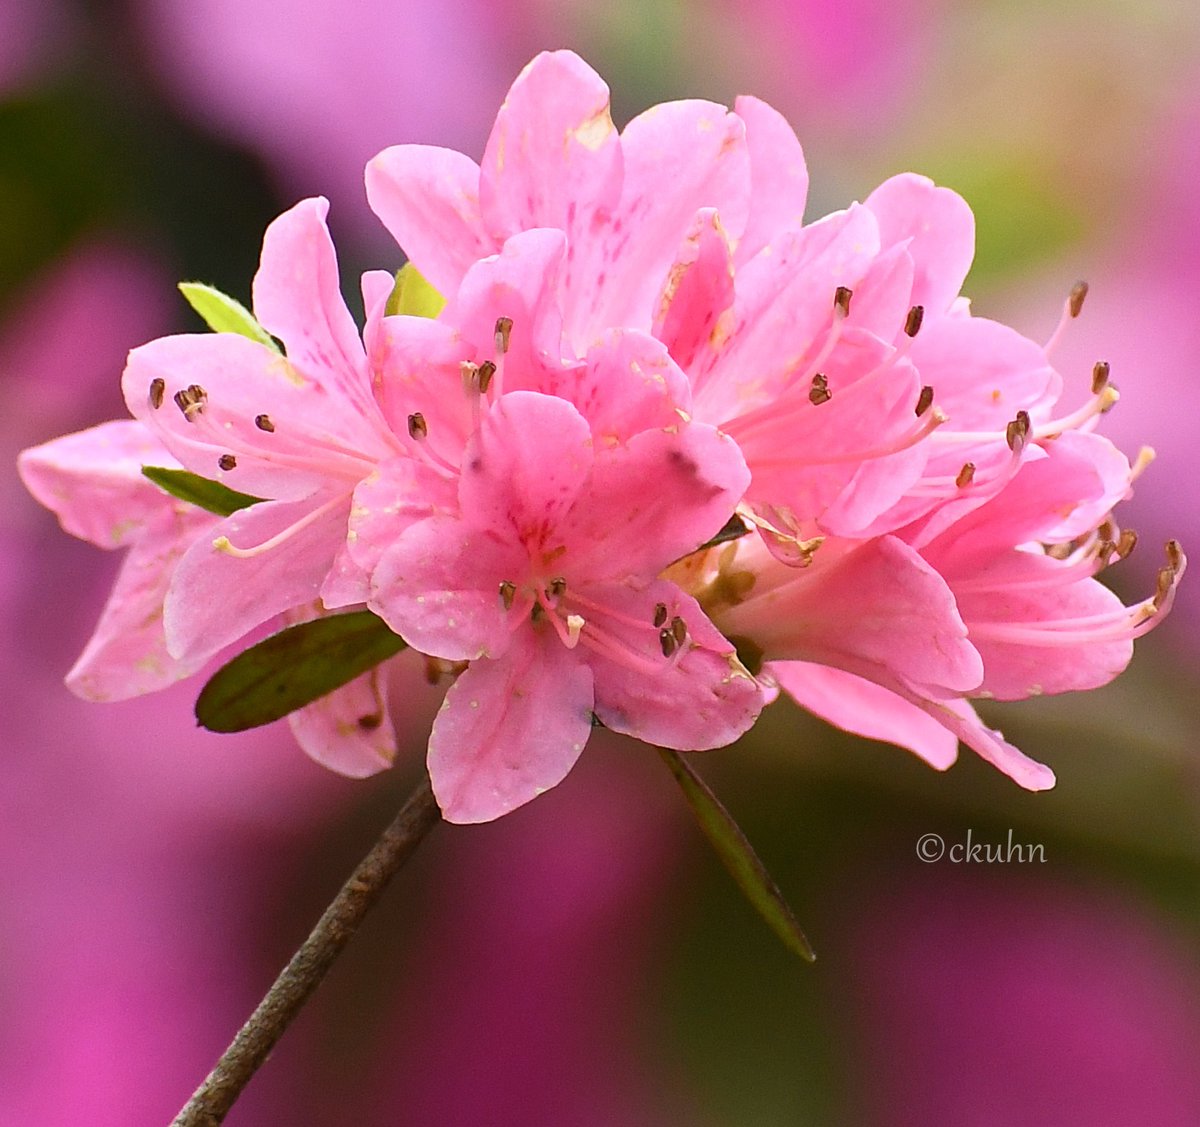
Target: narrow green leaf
224, 314
293, 668
738, 856
413, 295
200, 491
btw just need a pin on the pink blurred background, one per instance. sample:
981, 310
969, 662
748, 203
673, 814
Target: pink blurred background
585, 962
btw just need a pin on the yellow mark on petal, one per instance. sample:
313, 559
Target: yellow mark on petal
280, 366
592, 133
996, 396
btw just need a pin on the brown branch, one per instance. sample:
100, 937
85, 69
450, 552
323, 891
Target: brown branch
212, 1100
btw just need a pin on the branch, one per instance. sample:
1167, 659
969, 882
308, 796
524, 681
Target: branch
212, 1100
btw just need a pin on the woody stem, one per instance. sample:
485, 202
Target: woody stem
291, 990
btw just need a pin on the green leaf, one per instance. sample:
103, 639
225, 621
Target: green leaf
738, 856
413, 295
197, 490
293, 668
223, 314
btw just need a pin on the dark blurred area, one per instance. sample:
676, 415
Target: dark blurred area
585, 961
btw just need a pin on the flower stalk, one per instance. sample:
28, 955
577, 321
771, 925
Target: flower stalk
211, 1102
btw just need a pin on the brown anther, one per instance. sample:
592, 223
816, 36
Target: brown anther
371, 721
841, 300
191, 400
1174, 555
660, 614
263, 422
1107, 530
158, 388
820, 393
417, 426
966, 475
1163, 585
503, 333
679, 630
1104, 549
1079, 291
1059, 551
912, 323
556, 588
1017, 432
667, 641
470, 376
508, 592
486, 371
227, 462
1126, 543
924, 400
1100, 371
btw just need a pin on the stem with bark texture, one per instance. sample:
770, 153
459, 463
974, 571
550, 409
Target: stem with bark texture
212, 1100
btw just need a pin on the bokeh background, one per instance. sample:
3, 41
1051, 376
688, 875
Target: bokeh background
585, 962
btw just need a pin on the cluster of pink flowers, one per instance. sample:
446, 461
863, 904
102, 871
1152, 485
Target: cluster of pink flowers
624, 346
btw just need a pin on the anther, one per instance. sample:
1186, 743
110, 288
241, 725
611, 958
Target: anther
1174, 555
1017, 432
924, 400
556, 587
841, 300
417, 427
470, 376
574, 629
966, 475
1126, 543
263, 422
912, 323
660, 614
508, 592
820, 393
667, 641
227, 462
486, 371
1100, 372
158, 388
503, 333
679, 630
191, 401
1079, 292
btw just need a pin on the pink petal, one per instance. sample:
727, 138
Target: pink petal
93, 481
866, 709
704, 147
437, 585
510, 729
778, 176
349, 730
704, 699
698, 289
297, 298
520, 283
525, 467
314, 437
553, 158
652, 500
216, 598
941, 229
127, 653
959, 717
428, 198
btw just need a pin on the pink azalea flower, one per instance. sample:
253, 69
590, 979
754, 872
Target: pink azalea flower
538, 563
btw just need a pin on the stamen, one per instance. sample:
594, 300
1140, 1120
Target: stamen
1079, 292
503, 333
1017, 432
158, 388
966, 475
191, 401
820, 392
666, 639
841, 301
222, 544
660, 615
227, 462
263, 422
417, 427
1126, 543
508, 592
924, 400
556, 587
679, 630
486, 371
574, 629
912, 323
1100, 371
470, 376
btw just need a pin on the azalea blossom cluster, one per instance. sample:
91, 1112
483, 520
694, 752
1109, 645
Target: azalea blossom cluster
627, 442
